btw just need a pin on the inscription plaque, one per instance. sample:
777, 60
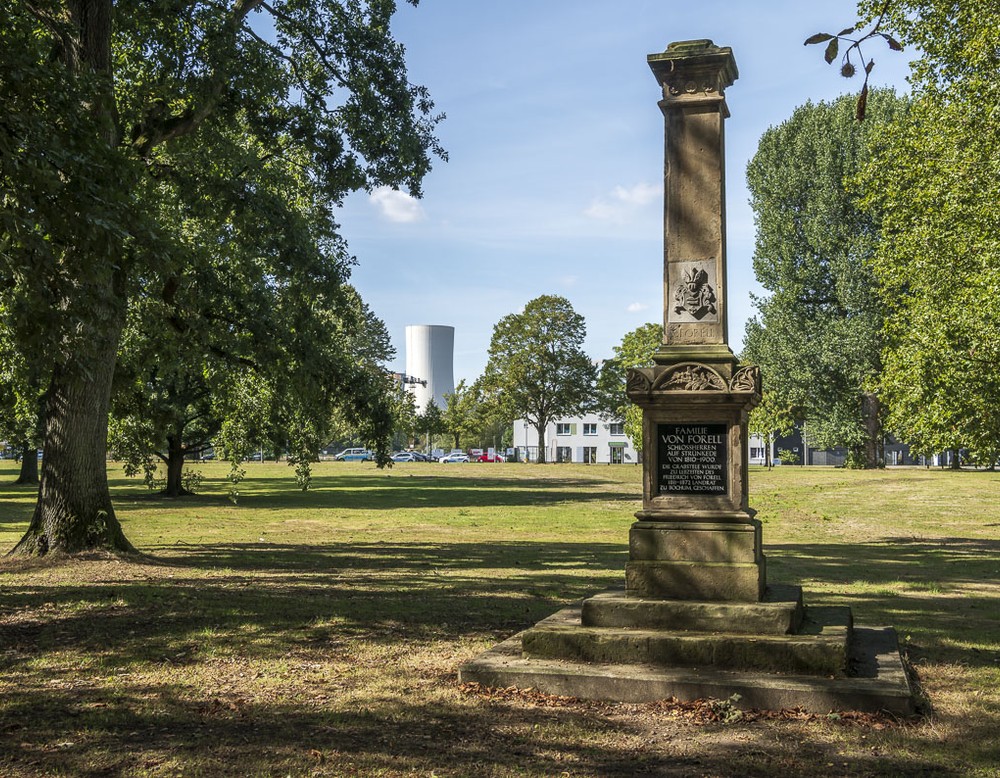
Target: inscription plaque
692, 458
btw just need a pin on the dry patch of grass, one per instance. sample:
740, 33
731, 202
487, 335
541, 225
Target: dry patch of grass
319, 633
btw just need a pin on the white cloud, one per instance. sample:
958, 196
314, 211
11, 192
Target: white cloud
636, 307
640, 194
619, 206
397, 206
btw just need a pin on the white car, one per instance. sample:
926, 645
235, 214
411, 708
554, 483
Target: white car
455, 458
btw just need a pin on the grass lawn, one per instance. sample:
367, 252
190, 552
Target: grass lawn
319, 633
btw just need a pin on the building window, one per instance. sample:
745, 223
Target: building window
617, 428
589, 429
564, 454
589, 452
564, 429
616, 455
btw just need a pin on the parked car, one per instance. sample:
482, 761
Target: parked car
460, 457
354, 455
488, 457
404, 456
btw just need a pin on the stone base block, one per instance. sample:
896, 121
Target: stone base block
877, 681
820, 649
780, 612
696, 580
694, 541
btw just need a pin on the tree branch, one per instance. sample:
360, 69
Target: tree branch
158, 127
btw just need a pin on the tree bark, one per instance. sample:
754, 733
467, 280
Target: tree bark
871, 411
175, 469
540, 429
29, 465
74, 511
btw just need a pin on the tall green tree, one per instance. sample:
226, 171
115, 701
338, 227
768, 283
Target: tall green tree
817, 335
936, 184
121, 125
430, 423
636, 350
461, 416
537, 369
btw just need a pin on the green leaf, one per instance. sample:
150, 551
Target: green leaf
831, 51
894, 44
817, 38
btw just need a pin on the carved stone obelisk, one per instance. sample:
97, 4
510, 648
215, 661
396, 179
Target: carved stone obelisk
696, 618
695, 537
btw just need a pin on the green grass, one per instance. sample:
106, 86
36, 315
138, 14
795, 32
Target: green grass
319, 633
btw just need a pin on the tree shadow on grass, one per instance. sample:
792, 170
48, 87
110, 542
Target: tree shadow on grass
155, 728
269, 599
944, 591
396, 492
204, 605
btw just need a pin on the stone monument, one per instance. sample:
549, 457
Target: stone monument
697, 617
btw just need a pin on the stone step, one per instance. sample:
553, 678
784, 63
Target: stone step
820, 647
878, 681
780, 612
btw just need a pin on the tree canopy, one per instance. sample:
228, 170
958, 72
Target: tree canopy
537, 369
636, 350
937, 182
179, 157
817, 336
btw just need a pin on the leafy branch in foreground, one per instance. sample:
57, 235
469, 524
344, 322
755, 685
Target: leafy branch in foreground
854, 50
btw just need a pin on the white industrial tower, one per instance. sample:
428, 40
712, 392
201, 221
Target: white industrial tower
430, 357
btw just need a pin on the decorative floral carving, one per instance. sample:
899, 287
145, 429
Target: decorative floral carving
746, 379
637, 382
690, 377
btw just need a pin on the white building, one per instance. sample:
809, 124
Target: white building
592, 440
587, 439
430, 363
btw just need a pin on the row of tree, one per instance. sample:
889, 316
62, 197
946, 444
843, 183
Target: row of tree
878, 242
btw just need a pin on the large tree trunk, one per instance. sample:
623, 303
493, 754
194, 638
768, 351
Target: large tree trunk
175, 468
74, 511
29, 465
871, 411
540, 429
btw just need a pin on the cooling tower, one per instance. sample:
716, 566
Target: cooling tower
430, 357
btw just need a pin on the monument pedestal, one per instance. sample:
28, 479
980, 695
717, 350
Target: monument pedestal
696, 617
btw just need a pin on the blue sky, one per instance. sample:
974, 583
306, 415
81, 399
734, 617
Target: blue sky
554, 184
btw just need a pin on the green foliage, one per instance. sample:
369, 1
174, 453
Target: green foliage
937, 183
430, 423
174, 167
787, 457
537, 369
817, 336
636, 350
769, 419
459, 416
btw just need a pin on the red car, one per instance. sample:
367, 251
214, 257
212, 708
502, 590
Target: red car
487, 457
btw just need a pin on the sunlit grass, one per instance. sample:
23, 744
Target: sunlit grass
318, 633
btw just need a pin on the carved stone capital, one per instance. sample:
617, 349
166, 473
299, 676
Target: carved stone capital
695, 68
692, 379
